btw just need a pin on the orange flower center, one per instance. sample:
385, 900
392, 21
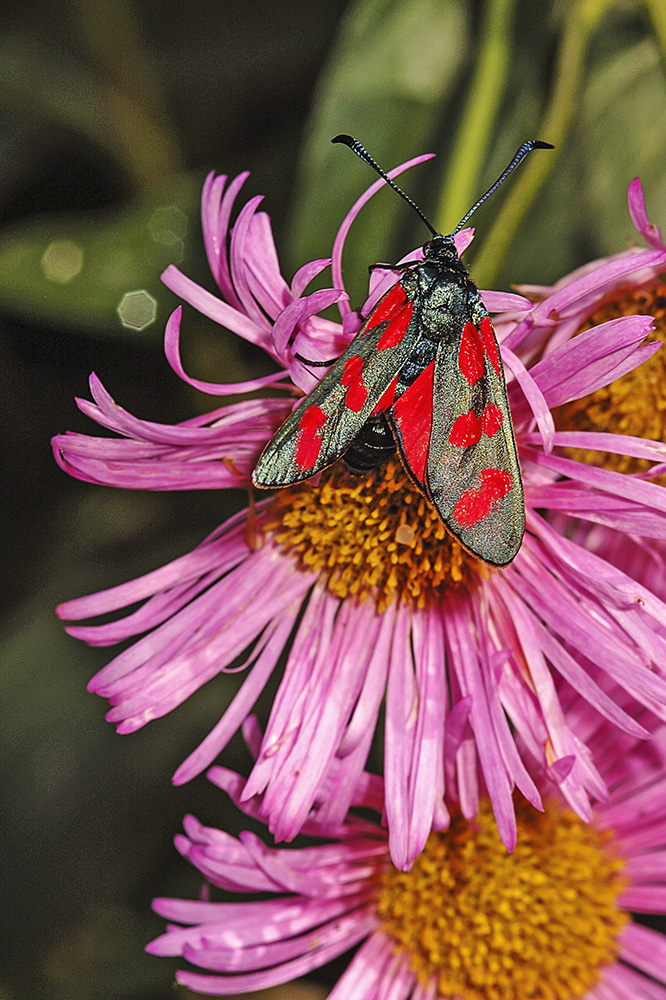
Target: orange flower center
538, 924
371, 536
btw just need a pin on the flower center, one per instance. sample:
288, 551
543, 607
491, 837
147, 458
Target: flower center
488, 925
371, 536
633, 404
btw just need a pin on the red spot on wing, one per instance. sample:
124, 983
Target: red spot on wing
386, 307
353, 378
466, 430
490, 343
397, 328
470, 354
387, 398
491, 419
309, 441
476, 504
413, 415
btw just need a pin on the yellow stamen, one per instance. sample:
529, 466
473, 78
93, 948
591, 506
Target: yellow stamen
634, 404
371, 536
538, 924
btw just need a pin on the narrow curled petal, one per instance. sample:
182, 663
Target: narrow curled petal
218, 450
216, 309
172, 351
216, 207
504, 301
594, 358
575, 297
323, 678
534, 397
648, 230
259, 284
307, 273
561, 310
298, 311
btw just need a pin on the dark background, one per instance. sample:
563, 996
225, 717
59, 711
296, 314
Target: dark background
109, 111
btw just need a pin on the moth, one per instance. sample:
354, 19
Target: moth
423, 376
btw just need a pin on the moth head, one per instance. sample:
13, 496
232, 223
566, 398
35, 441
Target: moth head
441, 248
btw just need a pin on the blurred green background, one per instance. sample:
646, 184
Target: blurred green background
112, 114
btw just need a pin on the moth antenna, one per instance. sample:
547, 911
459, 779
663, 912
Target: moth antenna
521, 153
361, 152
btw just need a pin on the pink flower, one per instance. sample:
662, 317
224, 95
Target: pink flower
551, 920
357, 584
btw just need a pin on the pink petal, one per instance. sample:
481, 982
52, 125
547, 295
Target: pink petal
172, 351
649, 231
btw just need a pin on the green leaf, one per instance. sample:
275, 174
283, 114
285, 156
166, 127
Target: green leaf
390, 74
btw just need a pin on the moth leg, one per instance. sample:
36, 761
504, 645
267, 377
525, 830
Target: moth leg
382, 267
394, 267
315, 364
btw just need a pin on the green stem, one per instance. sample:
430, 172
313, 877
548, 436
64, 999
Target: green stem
135, 104
485, 95
580, 25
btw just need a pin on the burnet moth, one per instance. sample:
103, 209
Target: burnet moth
424, 376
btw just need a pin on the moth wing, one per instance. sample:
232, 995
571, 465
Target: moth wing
472, 472
360, 382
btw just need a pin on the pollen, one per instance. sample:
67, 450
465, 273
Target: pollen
372, 537
634, 404
482, 924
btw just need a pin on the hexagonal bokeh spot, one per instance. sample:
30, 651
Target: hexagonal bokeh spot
137, 310
62, 261
168, 224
